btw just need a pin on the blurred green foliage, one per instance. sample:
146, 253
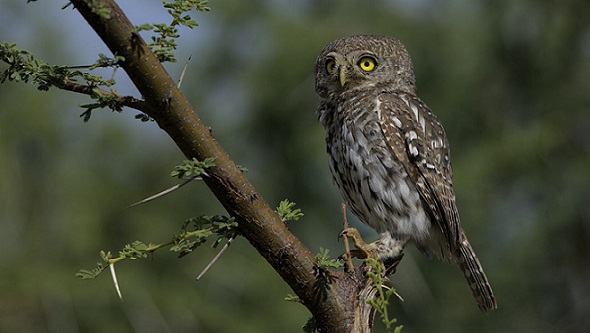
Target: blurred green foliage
510, 81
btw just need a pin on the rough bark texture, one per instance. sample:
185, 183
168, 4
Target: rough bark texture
336, 300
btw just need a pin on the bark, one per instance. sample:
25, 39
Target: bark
336, 299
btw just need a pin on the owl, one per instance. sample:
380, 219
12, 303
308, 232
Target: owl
389, 155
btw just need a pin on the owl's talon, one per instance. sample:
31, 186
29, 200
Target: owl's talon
363, 250
359, 254
346, 232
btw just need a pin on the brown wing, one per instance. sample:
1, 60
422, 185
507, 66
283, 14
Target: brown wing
418, 140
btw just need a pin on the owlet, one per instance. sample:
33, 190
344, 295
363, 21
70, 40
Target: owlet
389, 155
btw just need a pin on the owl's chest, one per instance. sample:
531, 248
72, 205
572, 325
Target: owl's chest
371, 179
359, 156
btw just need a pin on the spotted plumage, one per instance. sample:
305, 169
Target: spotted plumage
389, 154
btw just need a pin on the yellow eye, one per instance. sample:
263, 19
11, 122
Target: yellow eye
367, 64
330, 66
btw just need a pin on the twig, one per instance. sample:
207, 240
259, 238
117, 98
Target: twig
386, 287
128, 101
346, 246
79, 67
217, 256
112, 78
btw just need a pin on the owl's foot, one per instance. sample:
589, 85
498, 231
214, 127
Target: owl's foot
386, 248
363, 250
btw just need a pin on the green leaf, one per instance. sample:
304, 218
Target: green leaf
323, 260
287, 213
381, 301
193, 167
134, 250
292, 298
91, 274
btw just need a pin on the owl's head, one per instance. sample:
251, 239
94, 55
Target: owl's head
364, 61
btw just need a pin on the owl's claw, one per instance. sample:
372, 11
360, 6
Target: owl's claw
363, 250
359, 254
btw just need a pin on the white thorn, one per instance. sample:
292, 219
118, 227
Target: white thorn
114, 276
217, 256
166, 191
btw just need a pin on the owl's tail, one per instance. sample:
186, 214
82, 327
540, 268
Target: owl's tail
476, 277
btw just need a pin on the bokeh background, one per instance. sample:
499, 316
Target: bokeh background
510, 80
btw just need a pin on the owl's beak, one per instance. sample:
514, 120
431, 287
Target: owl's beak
342, 75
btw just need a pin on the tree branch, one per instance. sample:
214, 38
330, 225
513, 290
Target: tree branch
128, 101
337, 300
257, 221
